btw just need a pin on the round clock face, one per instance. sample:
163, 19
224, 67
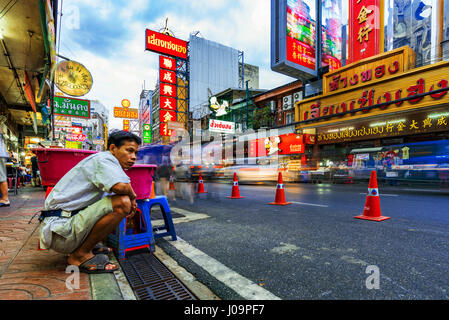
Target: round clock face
73, 78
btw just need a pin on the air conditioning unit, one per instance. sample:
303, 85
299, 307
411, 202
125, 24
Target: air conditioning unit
286, 102
297, 97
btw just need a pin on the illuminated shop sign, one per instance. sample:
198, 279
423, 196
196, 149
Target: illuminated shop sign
221, 126
167, 90
285, 144
413, 123
126, 113
167, 103
331, 12
167, 115
164, 44
412, 90
71, 107
167, 63
164, 130
380, 67
125, 124
364, 30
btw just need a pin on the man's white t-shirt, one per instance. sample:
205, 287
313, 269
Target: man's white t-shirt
85, 184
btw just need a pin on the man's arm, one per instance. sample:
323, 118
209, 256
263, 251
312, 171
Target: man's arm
121, 188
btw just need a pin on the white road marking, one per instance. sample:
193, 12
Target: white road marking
241, 285
311, 204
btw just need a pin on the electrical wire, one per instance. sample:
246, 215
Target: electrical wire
9, 8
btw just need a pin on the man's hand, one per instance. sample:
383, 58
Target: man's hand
133, 208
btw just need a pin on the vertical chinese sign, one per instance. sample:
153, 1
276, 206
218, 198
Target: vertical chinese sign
126, 124
365, 34
167, 94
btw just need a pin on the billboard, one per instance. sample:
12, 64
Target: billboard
296, 41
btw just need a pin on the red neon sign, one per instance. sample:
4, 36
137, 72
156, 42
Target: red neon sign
162, 43
364, 22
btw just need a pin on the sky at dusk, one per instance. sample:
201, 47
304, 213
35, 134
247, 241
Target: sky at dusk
108, 37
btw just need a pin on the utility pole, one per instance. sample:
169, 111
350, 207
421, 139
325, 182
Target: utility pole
247, 97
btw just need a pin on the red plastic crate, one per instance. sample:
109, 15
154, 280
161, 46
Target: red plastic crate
54, 163
141, 176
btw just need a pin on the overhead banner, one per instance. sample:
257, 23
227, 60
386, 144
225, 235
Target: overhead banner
164, 44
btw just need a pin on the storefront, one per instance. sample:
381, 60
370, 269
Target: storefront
381, 114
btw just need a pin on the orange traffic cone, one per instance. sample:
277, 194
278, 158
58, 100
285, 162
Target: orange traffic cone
280, 196
200, 185
235, 189
153, 194
372, 203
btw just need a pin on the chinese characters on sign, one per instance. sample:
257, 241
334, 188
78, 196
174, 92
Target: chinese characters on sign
301, 32
125, 124
168, 93
422, 122
364, 22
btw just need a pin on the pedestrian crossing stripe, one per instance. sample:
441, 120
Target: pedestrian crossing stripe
373, 191
280, 186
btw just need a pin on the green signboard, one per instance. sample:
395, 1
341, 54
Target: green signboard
146, 133
71, 107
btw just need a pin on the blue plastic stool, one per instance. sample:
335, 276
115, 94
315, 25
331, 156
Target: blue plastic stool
124, 240
169, 227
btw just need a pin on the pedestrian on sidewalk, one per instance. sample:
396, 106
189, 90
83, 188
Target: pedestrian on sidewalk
36, 181
78, 214
4, 156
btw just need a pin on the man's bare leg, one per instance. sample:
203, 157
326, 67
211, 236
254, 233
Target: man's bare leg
4, 191
121, 206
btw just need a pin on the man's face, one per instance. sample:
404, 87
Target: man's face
126, 154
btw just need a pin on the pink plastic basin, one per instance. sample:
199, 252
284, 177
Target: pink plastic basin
141, 176
54, 163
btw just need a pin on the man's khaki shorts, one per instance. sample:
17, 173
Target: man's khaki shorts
68, 236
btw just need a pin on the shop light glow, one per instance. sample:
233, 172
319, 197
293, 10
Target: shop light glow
340, 129
376, 124
438, 115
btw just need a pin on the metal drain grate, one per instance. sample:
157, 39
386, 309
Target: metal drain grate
151, 280
170, 289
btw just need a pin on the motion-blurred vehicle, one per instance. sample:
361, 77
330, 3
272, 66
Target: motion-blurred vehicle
257, 171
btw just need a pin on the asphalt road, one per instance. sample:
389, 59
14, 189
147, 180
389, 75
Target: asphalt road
314, 248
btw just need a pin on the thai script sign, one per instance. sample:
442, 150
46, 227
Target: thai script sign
221, 126
71, 107
414, 123
412, 90
129, 113
164, 44
367, 71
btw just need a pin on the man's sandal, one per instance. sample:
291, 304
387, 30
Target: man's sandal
100, 249
99, 263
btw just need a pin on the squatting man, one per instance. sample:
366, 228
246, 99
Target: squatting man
89, 202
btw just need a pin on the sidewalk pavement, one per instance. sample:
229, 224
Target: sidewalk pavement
27, 273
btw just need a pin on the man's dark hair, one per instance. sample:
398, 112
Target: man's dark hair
118, 138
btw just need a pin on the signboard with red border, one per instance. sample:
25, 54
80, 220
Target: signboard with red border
167, 115
167, 90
